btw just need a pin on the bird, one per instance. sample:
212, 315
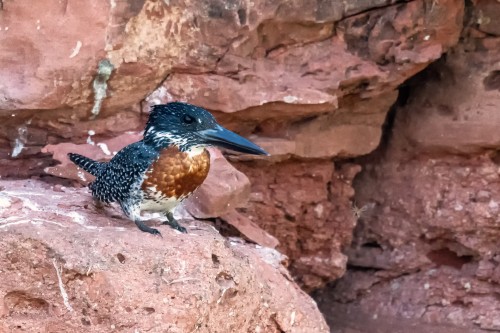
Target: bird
156, 173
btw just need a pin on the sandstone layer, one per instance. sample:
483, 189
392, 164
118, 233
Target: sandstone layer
67, 267
381, 117
308, 80
426, 246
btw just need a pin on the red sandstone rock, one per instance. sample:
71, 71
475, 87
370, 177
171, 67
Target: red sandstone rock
224, 190
273, 64
458, 105
99, 151
486, 15
313, 81
426, 247
432, 248
306, 206
52, 45
66, 266
250, 229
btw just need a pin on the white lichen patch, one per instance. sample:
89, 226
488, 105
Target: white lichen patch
20, 141
100, 85
292, 318
5, 225
64, 294
159, 96
76, 49
318, 211
104, 148
290, 99
81, 175
4, 202
78, 218
89, 139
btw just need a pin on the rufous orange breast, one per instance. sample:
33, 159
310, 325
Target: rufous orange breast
175, 174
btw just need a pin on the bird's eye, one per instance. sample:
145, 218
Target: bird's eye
187, 119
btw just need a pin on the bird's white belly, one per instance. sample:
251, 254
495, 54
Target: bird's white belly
161, 205
155, 201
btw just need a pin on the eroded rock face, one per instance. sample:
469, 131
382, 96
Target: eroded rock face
304, 80
307, 206
65, 266
214, 197
432, 249
281, 77
275, 64
309, 81
458, 105
426, 247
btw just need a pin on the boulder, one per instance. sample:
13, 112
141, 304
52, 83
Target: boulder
224, 189
66, 266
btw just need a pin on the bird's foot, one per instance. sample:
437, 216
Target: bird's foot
172, 222
175, 225
147, 229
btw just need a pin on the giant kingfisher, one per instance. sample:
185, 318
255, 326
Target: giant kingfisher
156, 173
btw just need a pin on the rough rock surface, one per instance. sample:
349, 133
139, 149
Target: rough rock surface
429, 254
426, 245
65, 266
312, 82
458, 105
214, 197
275, 64
212, 36
309, 80
307, 206
250, 229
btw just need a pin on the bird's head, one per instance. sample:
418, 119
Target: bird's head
188, 126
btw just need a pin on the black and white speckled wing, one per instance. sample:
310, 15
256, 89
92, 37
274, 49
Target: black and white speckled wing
124, 173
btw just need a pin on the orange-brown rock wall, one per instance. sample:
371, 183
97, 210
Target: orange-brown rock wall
381, 117
426, 248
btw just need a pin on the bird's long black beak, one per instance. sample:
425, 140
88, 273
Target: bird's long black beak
221, 137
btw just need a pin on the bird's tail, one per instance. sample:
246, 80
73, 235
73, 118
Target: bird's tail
87, 164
